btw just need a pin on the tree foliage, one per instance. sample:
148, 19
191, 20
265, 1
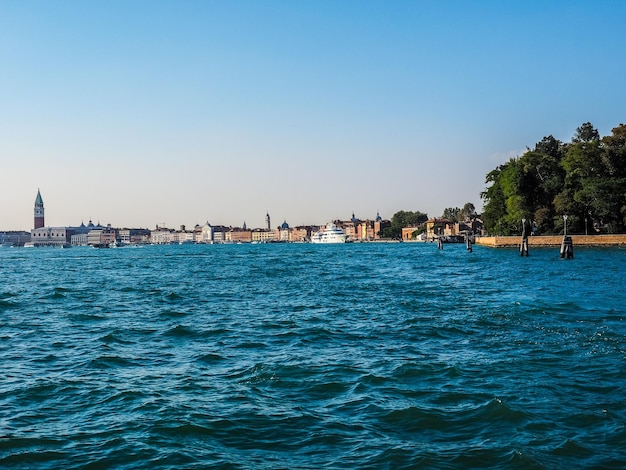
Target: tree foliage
453, 214
403, 219
456, 214
585, 179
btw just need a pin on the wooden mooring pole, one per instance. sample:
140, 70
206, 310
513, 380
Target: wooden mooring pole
567, 247
523, 249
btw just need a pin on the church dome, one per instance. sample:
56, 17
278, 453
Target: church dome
285, 225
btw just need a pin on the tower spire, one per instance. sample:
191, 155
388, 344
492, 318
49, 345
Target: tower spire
39, 211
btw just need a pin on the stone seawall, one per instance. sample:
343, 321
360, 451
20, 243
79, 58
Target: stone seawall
554, 240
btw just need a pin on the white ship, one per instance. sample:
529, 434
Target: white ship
329, 234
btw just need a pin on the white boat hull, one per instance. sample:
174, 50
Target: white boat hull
329, 234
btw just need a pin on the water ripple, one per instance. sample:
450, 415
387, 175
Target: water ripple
299, 356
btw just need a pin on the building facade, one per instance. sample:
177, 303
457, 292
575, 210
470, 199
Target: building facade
50, 236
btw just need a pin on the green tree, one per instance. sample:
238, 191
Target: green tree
502, 211
402, 219
615, 152
585, 179
468, 212
453, 214
614, 183
456, 214
541, 180
586, 133
583, 195
524, 188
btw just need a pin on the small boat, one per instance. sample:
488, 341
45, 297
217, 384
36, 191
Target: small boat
329, 234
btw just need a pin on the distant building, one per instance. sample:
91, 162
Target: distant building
206, 234
183, 236
50, 236
238, 235
379, 225
102, 237
79, 239
161, 236
439, 226
299, 234
260, 235
133, 236
363, 230
79, 233
408, 232
283, 232
14, 238
41, 235
219, 233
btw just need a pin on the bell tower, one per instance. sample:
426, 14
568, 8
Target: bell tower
39, 213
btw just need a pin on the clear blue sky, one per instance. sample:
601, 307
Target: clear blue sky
143, 112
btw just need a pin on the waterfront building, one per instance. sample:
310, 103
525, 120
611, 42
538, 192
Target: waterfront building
379, 225
183, 237
50, 236
261, 235
238, 235
93, 237
133, 236
197, 233
283, 232
58, 236
79, 233
161, 236
14, 238
409, 233
79, 239
438, 226
102, 236
219, 233
206, 234
299, 234
365, 230
362, 230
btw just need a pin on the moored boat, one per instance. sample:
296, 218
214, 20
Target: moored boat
329, 234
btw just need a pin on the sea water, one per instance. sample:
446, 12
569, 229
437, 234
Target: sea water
310, 356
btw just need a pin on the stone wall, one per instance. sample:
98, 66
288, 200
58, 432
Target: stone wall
555, 240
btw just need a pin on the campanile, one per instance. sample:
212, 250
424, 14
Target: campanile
39, 217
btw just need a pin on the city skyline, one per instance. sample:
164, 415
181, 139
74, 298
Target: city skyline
39, 221
145, 113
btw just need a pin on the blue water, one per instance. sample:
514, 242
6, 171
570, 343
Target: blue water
307, 356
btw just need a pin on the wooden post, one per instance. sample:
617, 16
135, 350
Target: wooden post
567, 248
523, 249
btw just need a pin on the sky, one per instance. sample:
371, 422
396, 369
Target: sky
140, 113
